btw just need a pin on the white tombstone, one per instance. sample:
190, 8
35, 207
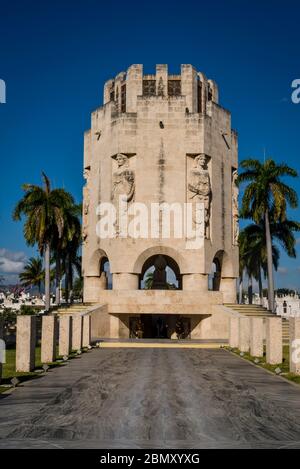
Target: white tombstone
25, 344
274, 340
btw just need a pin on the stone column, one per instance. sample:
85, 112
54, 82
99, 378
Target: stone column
244, 334
65, 335
92, 288
274, 340
125, 281
86, 334
234, 331
256, 337
26, 339
192, 282
228, 288
295, 345
77, 332
49, 333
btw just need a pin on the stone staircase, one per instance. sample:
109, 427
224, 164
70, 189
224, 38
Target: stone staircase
74, 308
259, 311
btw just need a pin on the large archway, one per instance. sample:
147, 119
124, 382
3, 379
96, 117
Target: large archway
214, 278
160, 272
105, 274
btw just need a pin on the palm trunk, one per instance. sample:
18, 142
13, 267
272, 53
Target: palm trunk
270, 263
70, 273
47, 277
241, 290
57, 278
66, 280
250, 290
260, 287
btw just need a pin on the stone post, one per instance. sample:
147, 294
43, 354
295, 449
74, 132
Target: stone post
244, 334
294, 345
65, 335
274, 340
257, 337
25, 347
86, 334
234, 331
49, 333
77, 332
2, 348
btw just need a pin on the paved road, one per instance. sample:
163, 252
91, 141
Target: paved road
153, 398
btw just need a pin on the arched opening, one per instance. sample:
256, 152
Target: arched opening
105, 275
214, 278
160, 272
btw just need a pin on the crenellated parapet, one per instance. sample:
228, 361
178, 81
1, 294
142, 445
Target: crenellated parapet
129, 87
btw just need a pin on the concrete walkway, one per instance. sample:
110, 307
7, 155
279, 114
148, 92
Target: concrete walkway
153, 398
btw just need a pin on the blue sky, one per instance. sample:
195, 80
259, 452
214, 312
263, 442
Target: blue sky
56, 55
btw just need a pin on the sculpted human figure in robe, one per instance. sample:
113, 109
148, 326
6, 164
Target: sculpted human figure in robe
235, 208
200, 187
123, 187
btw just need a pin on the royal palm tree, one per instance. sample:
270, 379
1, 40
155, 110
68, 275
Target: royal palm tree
61, 245
149, 281
253, 257
43, 209
265, 193
33, 273
71, 260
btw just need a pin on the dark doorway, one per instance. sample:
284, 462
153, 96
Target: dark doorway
160, 326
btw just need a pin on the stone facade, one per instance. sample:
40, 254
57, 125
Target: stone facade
161, 139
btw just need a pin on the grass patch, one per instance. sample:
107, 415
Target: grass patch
284, 366
9, 368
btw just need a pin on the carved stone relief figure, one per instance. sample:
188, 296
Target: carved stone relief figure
86, 204
123, 184
200, 188
85, 214
235, 208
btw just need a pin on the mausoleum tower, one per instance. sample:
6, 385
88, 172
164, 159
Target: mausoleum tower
160, 139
